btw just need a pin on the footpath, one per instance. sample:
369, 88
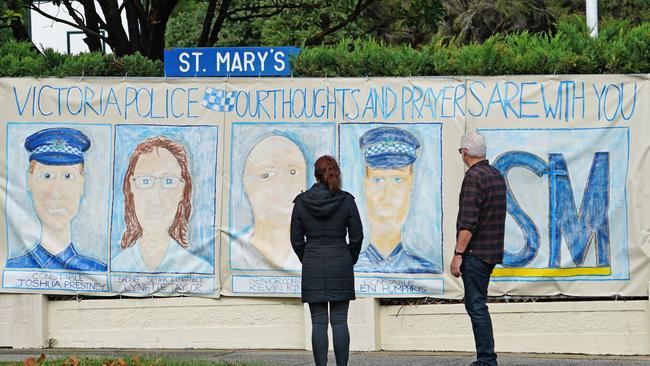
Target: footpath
304, 358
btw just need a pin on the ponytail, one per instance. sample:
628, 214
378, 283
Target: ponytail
327, 172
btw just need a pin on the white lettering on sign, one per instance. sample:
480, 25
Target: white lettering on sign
183, 58
280, 62
247, 61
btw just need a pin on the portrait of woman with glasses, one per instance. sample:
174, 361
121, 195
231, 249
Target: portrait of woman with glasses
157, 191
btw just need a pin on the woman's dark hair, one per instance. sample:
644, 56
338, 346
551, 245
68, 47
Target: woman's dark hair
327, 172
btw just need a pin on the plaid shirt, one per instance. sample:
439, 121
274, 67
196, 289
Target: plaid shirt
482, 210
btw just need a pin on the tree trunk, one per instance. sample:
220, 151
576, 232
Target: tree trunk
159, 15
92, 22
223, 12
117, 38
207, 24
134, 25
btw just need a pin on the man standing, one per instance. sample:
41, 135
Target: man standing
56, 183
479, 239
389, 154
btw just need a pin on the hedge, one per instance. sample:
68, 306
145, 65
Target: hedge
619, 49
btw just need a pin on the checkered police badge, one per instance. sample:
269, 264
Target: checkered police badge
219, 100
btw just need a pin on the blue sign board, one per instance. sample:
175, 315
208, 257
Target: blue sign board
229, 61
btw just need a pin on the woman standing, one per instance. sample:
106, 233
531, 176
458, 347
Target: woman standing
322, 218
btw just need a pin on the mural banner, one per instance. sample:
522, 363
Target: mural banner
169, 187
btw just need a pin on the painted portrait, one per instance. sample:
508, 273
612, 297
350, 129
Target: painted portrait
165, 201
270, 166
394, 171
57, 177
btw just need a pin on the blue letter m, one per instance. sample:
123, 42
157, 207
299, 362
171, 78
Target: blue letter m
579, 227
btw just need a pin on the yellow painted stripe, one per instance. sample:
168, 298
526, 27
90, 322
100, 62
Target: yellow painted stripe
552, 272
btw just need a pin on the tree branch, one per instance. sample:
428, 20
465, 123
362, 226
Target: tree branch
142, 14
93, 22
318, 38
255, 9
218, 24
134, 27
117, 38
207, 23
73, 13
85, 29
165, 8
254, 16
90, 4
159, 14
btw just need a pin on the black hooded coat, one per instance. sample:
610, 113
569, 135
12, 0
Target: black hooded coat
320, 222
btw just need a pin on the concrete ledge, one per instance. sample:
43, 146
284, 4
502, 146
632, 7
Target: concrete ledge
23, 320
611, 327
589, 327
178, 323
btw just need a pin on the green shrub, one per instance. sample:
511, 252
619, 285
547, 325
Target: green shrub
87, 64
619, 49
19, 59
138, 65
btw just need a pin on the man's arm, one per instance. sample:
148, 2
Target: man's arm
470, 208
464, 236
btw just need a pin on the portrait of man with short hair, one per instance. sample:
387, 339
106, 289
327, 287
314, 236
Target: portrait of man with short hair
387, 170
56, 184
270, 166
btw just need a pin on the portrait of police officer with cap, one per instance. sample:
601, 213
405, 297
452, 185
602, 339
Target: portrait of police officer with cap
55, 182
389, 154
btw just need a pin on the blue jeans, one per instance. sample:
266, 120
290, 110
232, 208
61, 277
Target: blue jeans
338, 317
476, 277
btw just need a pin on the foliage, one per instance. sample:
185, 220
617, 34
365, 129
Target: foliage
130, 361
412, 22
633, 11
396, 22
477, 20
358, 58
138, 65
390, 21
184, 27
620, 48
290, 27
20, 59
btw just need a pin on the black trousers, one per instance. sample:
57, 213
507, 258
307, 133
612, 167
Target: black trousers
338, 317
476, 277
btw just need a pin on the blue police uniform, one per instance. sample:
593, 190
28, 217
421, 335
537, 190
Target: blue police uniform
57, 146
391, 148
67, 259
398, 261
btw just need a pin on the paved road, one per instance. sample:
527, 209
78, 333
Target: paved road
303, 358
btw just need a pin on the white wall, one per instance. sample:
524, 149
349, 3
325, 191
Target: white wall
591, 327
23, 321
609, 327
183, 322
47, 33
